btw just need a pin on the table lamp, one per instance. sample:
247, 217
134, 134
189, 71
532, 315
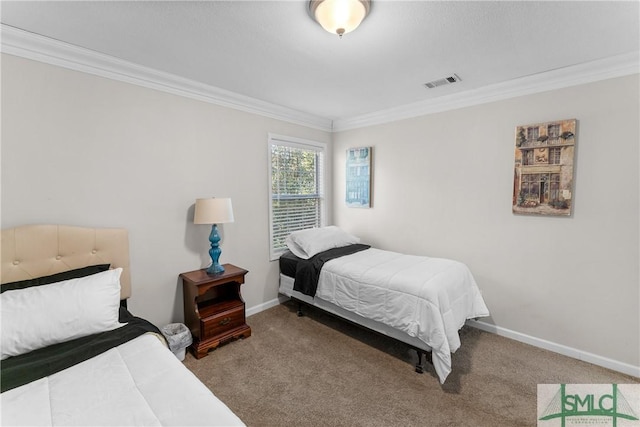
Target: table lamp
213, 211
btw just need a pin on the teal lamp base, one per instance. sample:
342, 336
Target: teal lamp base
215, 269
215, 252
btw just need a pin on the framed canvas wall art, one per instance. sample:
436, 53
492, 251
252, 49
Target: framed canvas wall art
358, 177
543, 174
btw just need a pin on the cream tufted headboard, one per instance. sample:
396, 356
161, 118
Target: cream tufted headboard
41, 250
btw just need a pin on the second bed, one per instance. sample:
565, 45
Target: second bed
418, 300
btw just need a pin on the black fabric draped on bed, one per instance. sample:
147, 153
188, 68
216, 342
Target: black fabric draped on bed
23, 369
307, 271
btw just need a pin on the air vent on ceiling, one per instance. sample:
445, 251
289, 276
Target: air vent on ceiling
444, 81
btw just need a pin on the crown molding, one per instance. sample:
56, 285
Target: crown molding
44, 49
616, 66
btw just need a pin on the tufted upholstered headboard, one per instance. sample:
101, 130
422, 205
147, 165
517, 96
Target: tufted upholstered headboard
40, 250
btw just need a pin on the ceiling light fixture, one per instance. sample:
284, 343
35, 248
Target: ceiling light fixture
339, 16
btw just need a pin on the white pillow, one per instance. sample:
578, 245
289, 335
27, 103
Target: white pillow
306, 243
40, 316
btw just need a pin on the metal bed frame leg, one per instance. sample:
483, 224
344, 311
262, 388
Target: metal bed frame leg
419, 367
428, 356
300, 313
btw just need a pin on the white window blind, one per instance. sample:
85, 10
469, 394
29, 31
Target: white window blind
296, 199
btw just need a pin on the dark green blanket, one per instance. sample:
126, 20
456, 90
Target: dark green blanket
23, 369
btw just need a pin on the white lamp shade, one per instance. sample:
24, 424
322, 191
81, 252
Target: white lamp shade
213, 211
340, 16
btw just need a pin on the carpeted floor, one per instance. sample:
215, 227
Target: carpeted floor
320, 371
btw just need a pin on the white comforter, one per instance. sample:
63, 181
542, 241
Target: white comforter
139, 383
427, 298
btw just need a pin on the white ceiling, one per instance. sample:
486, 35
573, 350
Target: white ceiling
274, 52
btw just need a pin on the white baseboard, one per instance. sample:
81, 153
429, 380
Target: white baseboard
605, 362
264, 306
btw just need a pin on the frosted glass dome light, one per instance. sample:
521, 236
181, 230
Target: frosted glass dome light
339, 16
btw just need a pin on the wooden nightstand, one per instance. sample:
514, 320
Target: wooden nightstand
213, 308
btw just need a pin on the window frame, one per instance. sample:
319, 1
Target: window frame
304, 144
527, 158
555, 155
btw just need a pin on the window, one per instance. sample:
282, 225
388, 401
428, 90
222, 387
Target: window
531, 186
554, 155
532, 133
296, 193
553, 130
554, 133
554, 187
527, 157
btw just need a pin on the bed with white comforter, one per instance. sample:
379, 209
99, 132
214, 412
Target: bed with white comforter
139, 383
72, 354
420, 300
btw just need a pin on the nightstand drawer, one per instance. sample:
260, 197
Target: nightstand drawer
222, 322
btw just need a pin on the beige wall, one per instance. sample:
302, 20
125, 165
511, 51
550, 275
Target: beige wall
84, 150
443, 185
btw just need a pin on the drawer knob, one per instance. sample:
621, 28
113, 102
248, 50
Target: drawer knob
225, 321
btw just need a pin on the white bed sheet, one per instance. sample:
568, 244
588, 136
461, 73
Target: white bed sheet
426, 298
139, 383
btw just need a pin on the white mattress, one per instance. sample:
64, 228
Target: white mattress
428, 299
139, 383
